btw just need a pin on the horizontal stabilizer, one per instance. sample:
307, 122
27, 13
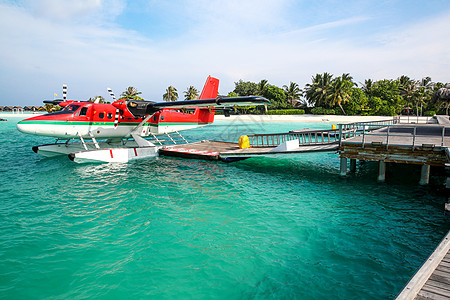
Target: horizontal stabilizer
143, 108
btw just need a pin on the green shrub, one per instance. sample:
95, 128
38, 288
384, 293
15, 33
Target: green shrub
286, 112
322, 111
429, 113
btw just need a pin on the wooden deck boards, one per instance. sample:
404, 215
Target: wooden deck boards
426, 147
215, 150
403, 135
432, 281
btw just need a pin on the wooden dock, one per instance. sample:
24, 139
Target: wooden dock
225, 151
384, 141
432, 281
414, 144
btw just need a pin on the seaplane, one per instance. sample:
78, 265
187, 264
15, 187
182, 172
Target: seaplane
126, 129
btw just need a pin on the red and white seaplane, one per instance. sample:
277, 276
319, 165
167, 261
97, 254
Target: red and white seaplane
126, 129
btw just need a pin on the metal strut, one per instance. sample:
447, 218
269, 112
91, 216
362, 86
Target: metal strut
94, 140
83, 142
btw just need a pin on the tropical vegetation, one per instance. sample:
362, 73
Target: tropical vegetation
191, 93
131, 93
171, 94
327, 94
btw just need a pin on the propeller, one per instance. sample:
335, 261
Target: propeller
112, 94
116, 120
65, 92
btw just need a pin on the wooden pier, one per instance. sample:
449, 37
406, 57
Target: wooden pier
432, 281
385, 141
225, 151
425, 145
296, 141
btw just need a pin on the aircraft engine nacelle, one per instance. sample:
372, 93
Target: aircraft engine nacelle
141, 108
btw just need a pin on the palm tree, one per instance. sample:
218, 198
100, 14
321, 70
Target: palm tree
341, 90
319, 91
191, 93
130, 93
424, 91
367, 86
293, 92
261, 87
171, 94
408, 90
348, 77
404, 80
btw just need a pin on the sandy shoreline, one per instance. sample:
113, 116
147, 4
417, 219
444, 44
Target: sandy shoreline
23, 116
313, 118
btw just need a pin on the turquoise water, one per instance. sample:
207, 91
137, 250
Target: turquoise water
168, 228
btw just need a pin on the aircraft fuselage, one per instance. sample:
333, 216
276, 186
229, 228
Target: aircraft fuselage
99, 120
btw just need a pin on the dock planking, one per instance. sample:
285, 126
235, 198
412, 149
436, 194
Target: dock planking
411, 144
226, 151
432, 280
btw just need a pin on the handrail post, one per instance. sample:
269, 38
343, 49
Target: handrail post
387, 137
443, 134
340, 135
414, 138
364, 136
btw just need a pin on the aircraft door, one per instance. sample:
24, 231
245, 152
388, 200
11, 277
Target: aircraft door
81, 122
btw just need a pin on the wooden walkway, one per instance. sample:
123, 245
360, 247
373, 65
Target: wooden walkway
224, 151
432, 281
416, 144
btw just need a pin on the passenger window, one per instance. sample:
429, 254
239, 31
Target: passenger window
101, 115
83, 111
109, 115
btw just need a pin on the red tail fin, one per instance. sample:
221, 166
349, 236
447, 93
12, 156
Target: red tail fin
211, 88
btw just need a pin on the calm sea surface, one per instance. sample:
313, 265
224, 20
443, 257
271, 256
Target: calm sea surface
267, 228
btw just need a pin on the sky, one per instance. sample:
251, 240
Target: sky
91, 45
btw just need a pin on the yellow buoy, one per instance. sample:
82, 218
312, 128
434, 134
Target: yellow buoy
244, 142
333, 126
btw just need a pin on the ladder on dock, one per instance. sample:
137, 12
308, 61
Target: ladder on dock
168, 138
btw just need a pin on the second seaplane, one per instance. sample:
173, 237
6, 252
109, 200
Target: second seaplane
126, 129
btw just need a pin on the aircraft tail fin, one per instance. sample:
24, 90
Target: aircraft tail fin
211, 88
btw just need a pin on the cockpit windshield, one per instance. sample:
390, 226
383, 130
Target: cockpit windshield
69, 109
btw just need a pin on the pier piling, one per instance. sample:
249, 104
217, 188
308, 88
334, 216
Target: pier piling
381, 171
353, 165
425, 175
343, 169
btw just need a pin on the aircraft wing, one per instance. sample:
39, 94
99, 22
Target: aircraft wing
143, 108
